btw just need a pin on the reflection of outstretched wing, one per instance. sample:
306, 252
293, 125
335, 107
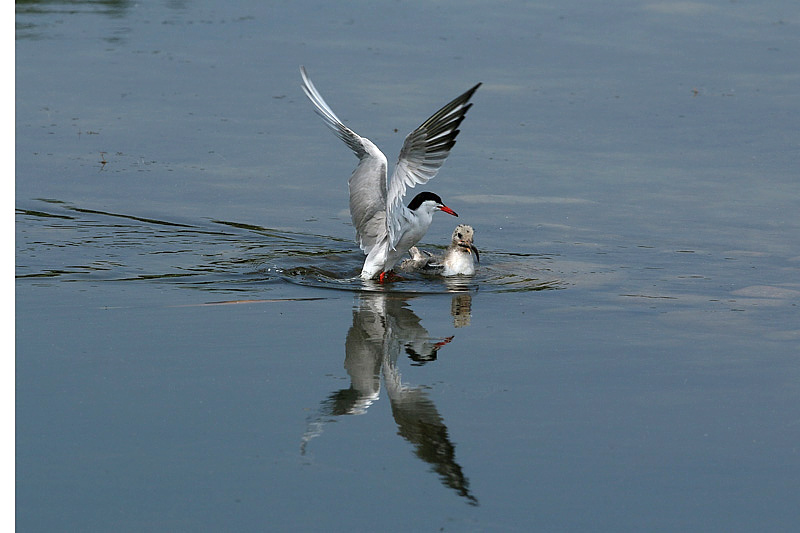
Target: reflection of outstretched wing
422, 426
419, 422
364, 352
383, 328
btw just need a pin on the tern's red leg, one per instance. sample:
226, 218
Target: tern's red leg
388, 276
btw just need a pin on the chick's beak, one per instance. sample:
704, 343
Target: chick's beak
477, 255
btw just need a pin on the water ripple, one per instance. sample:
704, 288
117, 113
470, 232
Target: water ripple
57, 241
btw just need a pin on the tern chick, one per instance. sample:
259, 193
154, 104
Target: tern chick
459, 258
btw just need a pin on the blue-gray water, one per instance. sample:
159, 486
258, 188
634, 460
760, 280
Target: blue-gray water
191, 357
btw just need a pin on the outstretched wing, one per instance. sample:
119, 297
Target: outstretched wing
368, 182
424, 152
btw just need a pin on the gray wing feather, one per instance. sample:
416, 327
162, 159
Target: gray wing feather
368, 181
424, 152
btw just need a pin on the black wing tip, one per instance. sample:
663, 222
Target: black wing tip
467, 95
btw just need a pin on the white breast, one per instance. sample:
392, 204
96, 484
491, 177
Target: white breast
458, 261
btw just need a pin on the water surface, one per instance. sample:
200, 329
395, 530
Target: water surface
193, 352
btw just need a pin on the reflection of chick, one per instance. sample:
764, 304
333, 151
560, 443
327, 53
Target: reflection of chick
457, 259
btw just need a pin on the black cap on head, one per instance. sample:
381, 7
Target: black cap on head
422, 197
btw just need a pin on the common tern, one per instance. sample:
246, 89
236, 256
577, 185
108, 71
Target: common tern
385, 228
459, 258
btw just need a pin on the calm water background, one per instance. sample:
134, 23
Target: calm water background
189, 357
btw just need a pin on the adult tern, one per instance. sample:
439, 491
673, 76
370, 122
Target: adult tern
385, 228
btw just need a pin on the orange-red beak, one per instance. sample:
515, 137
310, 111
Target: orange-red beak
447, 210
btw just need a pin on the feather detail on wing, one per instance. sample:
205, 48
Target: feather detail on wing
424, 152
368, 181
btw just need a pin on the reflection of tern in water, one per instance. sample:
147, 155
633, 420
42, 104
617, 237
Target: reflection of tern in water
385, 228
384, 327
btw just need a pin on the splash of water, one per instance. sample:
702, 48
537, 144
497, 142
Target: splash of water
65, 243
